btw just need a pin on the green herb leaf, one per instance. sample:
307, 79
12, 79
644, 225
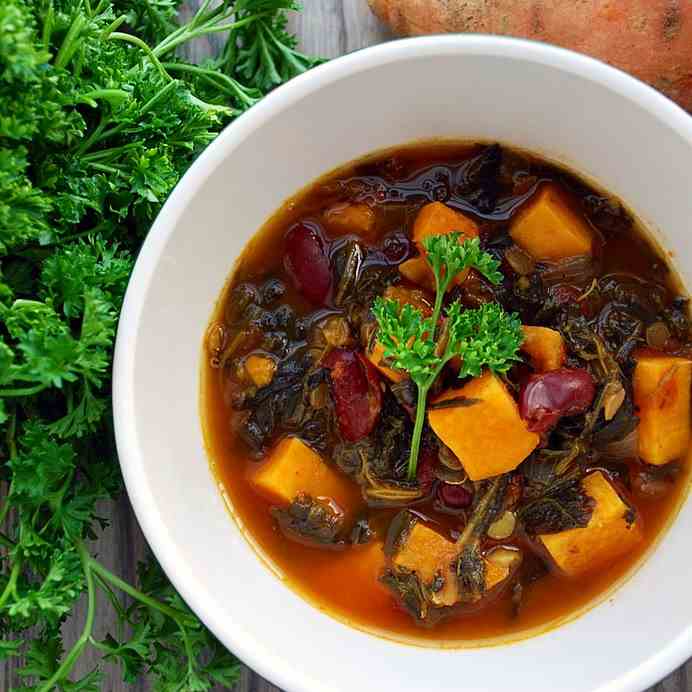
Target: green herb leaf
486, 337
449, 256
97, 125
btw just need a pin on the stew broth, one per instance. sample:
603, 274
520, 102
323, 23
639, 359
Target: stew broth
490, 186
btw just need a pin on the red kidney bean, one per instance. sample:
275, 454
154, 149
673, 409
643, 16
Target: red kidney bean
307, 262
545, 398
564, 294
425, 472
355, 387
454, 496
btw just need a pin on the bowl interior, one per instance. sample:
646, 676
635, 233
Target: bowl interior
568, 108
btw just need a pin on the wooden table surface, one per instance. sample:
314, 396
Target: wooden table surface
328, 28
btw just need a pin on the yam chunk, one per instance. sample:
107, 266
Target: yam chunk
662, 398
260, 369
544, 347
430, 554
489, 437
293, 467
355, 218
612, 531
548, 227
435, 218
409, 296
376, 356
403, 296
417, 271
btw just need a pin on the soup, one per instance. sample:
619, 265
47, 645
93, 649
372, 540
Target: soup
447, 391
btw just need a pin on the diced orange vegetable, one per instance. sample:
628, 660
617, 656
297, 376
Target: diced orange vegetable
426, 552
430, 554
613, 531
376, 357
662, 397
409, 296
355, 218
548, 227
293, 467
260, 369
417, 271
544, 347
488, 437
435, 218
403, 296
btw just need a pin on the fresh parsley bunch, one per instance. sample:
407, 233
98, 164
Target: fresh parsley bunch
485, 337
99, 117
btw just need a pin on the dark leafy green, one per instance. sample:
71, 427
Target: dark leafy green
99, 118
553, 501
310, 520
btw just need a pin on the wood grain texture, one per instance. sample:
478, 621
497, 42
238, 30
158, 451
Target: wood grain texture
329, 28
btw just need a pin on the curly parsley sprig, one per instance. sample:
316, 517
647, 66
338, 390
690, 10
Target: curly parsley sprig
485, 337
100, 115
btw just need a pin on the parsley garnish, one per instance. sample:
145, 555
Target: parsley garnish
485, 337
99, 117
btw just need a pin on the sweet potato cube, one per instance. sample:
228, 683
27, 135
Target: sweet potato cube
430, 554
260, 369
376, 357
355, 218
489, 437
544, 347
293, 467
435, 218
612, 531
662, 398
549, 227
403, 296
409, 296
418, 272
425, 552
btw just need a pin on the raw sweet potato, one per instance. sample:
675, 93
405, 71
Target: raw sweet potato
650, 39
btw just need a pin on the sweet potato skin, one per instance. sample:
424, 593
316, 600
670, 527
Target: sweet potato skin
650, 39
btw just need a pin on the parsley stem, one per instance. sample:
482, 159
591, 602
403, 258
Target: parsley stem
23, 391
417, 430
70, 43
76, 651
136, 41
209, 27
216, 79
130, 590
11, 586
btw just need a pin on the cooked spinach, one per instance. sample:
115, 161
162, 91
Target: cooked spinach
553, 501
309, 519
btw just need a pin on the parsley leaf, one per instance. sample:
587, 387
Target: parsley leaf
100, 115
485, 337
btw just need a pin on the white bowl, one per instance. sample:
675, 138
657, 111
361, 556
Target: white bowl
563, 105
